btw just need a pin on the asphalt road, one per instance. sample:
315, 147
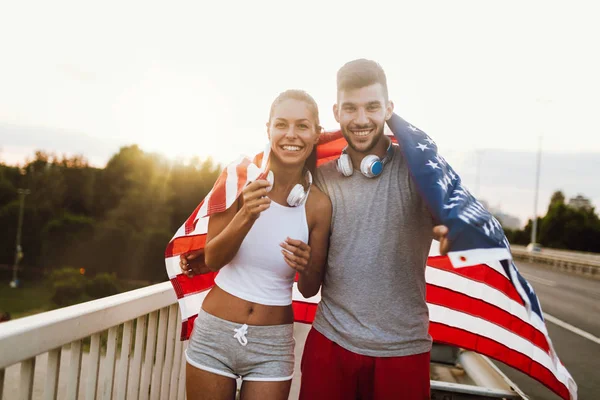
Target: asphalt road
576, 301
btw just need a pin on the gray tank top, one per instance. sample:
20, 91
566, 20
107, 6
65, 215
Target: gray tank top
373, 294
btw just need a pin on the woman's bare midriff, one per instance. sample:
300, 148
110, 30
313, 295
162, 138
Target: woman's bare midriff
231, 308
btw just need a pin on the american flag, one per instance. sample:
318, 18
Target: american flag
476, 296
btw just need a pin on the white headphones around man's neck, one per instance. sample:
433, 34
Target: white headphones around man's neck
370, 166
297, 195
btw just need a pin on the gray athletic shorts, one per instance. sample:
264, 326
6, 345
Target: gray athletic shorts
254, 353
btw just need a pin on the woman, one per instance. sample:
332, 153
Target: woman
245, 326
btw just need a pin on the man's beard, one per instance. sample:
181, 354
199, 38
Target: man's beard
376, 138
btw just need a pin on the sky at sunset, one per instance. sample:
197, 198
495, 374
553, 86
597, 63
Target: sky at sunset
484, 78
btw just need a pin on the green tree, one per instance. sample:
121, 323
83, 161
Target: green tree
188, 185
68, 285
117, 219
117, 178
8, 192
64, 240
79, 179
557, 198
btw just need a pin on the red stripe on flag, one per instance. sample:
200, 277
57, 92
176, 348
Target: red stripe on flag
257, 160
304, 312
324, 160
190, 222
327, 137
185, 286
242, 173
481, 309
185, 244
479, 273
187, 327
458, 337
218, 198
331, 149
177, 287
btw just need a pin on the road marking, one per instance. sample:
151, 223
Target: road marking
571, 328
543, 281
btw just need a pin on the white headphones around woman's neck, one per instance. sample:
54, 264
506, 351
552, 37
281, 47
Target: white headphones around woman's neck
370, 166
297, 195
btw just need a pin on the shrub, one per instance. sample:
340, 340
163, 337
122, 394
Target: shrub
68, 285
102, 285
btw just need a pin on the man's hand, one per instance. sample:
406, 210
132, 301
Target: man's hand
440, 233
296, 254
192, 263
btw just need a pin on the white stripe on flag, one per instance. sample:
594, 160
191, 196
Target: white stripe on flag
180, 232
265, 159
494, 332
434, 251
201, 225
231, 183
520, 289
190, 305
253, 172
467, 258
483, 292
172, 264
202, 215
297, 296
434, 248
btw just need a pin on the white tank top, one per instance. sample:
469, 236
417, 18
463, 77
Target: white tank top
258, 272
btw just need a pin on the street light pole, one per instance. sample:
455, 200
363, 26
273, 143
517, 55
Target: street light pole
537, 188
18, 251
543, 117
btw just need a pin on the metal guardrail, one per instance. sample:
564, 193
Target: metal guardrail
562, 252
587, 266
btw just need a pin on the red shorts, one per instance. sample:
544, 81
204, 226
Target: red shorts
331, 372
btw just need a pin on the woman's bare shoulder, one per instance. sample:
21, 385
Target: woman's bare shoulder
318, 201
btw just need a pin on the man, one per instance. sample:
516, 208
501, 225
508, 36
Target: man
370, 336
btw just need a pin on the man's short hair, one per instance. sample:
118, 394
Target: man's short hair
359, 73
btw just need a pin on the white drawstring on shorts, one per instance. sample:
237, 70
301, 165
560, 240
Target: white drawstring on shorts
240, 334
